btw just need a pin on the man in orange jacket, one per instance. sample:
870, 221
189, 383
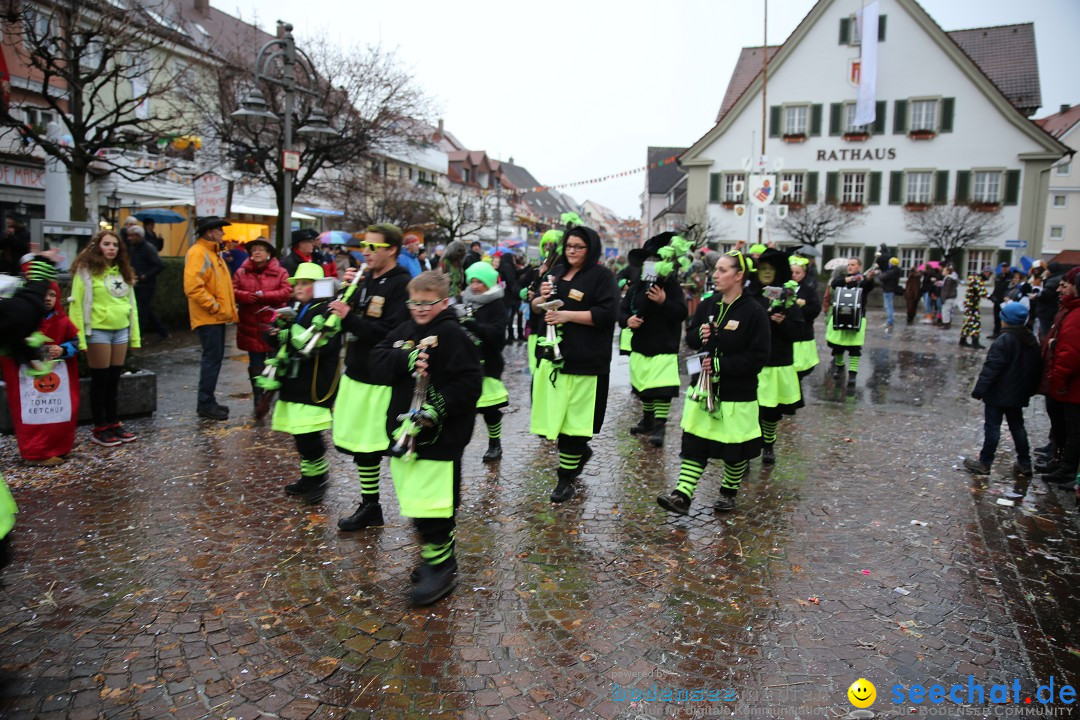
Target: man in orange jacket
211, 305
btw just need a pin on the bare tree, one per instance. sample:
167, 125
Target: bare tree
814, 224
702, 229
371, 198
952, 228
459, 213
101, 70
370, 99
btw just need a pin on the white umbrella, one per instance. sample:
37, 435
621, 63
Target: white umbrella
835, 263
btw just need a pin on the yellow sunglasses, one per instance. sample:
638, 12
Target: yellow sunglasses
372, 247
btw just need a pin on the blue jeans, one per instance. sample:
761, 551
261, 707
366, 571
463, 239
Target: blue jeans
928, 303
212, 338
889, 307
992, 433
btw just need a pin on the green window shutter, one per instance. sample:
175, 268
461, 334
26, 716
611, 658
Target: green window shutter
875, 188
963, 187
811, 188
774, 120
941, 187
1012, 187
845, 30
1004, 256
879, 117
948, 105
836, 118
899, 123
896, 187
714, 187
881, 28
815, 119
832, 181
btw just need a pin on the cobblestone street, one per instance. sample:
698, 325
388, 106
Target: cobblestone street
172, 578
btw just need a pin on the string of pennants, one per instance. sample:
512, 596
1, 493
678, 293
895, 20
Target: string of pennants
592, 181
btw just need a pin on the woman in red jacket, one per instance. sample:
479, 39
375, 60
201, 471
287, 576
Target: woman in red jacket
1061, 379
261, 286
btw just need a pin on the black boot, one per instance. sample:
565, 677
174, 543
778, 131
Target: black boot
963, 341
256, 395
674, 502
768, 455
1052, 463
433, 582
644, 425
851, 381
976, 344
310, 489
726, 503
369, 514
419, 570
838, 371
657, 439
1045, 450
494, 451
1061, 475
564, 490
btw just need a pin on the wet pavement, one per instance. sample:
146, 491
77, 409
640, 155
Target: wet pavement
171, 578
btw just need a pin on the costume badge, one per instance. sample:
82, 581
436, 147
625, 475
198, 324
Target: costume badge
576, 295
731, 325
375, 306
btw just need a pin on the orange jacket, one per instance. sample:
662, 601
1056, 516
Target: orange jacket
208, 285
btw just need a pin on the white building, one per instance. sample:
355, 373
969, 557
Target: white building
1063, 206
952, 127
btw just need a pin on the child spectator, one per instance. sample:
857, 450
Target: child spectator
1008, 379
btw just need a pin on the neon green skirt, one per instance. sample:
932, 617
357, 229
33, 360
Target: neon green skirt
806, 355
493, 394
531, 346
360, 416
846, 338
732, 423
566, 407
778, 386
625, 337
7, 509
299, 418
658, 371
425, 488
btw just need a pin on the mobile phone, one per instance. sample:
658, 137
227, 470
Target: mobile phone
325, 288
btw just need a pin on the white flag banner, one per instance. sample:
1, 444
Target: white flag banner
865, 107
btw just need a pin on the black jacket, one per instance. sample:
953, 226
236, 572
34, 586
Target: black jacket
810, 311
782, 336
509, 275
586, 349
146, 262
1012, 369
1001, 286
890, 279
322, 366
455, 383
662, 328
487, 324
379, 307
20, 316
741, 342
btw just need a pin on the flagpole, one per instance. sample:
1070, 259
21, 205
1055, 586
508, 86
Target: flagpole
764, 94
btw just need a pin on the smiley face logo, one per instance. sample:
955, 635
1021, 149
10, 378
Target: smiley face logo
862, 693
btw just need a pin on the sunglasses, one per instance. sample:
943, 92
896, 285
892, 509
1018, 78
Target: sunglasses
422, 303
372, 247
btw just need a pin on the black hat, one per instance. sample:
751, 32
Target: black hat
303, 234
638, 256
264, 242
780, 261
211, 222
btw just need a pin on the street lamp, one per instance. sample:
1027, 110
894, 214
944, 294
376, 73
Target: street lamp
254, 107
112, 202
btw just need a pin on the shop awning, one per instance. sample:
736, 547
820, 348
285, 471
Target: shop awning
235, 210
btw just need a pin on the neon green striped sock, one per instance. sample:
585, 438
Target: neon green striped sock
663, 408
854, 365
768, 431
369, 482
733, 475
690, 471
438, 553
313, 468
648, 406
494, 430
569, 461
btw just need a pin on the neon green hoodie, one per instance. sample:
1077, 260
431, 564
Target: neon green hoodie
104, 302
7, 509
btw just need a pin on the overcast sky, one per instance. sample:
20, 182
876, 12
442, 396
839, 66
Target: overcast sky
575, 89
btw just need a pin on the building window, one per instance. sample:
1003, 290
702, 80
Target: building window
919, 186
796, 194
912, 257
729, 186
726, 248
987, 187
1057, 232
978, 259
849, 251
854, 189
38, 118
849, 122
795, 119
465, 175
1061, 201
924, 115
1063, 169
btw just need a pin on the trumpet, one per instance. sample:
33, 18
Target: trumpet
704, 388
551, 340
412, 421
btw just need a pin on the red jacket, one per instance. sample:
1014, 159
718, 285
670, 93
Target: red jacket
1062, 356
273, 280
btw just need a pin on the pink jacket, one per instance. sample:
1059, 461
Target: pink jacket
273, 280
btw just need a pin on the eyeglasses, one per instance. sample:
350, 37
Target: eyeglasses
577, 248
422, 303
372, 247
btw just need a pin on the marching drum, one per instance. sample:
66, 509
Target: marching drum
847, 308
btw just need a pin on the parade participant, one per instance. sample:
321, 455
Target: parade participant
260, 286
778, 393
550, 251
976, 289
569, 391
804, 349
435, 372
104, 311
307, 390
720, 417
849, 340
483, 316
377, 307
46, 435
653, 309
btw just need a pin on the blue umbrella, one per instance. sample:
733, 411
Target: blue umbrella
163, 216
335, 237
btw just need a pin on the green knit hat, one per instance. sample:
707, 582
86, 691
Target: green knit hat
483, 272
